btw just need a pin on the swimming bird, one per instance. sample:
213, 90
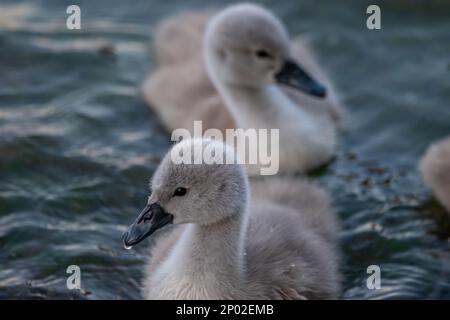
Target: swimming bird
239, 69
435, 169
276, 241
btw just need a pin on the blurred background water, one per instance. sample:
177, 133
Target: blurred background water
78, 144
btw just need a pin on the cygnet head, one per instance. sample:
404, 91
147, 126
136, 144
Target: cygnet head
203, 194
247, 46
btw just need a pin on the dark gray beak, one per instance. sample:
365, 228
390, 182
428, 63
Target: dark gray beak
292, 75
152, 218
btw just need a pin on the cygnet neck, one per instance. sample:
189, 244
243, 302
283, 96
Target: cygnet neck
214, 253
265, 106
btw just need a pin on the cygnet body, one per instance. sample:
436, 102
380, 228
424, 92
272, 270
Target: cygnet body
435, 169
238, 69
274, 242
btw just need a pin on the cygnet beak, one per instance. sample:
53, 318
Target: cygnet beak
292, 75
152, 218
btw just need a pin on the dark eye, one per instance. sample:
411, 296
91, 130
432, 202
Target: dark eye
263, 54
179, 192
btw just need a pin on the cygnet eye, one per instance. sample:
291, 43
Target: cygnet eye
263, 54
179, 192
222, 54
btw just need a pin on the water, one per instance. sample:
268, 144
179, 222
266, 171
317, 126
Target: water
78, 144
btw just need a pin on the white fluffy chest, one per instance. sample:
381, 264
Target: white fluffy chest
172, 285
177, 278
305, 140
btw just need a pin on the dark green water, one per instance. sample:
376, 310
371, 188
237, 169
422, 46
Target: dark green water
78, 145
